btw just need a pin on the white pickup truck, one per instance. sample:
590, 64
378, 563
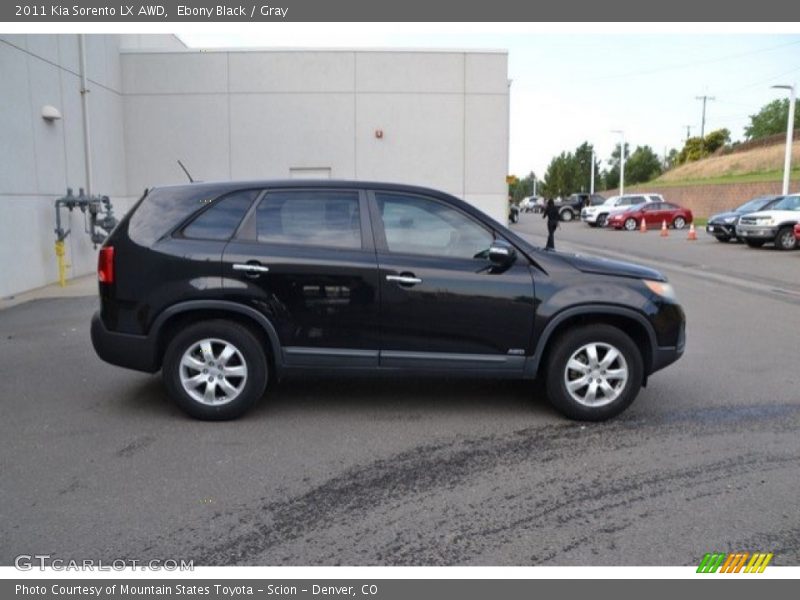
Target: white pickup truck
596, 216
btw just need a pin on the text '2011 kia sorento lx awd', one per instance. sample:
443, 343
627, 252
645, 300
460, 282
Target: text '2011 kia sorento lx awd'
226, 287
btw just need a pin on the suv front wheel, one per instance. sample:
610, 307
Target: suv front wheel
593, 373
215, 370
785, 239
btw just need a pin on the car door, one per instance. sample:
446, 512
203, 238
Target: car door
652, 213
443, 305
305, 258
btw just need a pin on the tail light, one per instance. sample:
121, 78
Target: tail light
105, 265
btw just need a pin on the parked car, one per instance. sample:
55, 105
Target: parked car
571, 208
597, 215
723, 225
225, 287
528, 204
654, 214
775, 225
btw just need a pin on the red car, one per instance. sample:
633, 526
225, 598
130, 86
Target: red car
797, 231
653, 214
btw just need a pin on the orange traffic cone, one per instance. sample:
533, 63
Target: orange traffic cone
643, 227
692, 234
664, 232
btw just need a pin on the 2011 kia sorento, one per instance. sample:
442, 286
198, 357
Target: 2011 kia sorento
226, 287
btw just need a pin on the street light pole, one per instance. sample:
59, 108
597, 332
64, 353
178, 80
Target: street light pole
621, 160
787, 160
591, 179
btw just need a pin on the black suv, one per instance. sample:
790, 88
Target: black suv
571, 208
228, 286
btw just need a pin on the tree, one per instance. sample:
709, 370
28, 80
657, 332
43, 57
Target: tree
696, 148
570, 172
716, 140
642, 165
522, 188
771, 119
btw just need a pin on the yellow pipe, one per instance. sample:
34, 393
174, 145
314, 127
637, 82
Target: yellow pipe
62, 265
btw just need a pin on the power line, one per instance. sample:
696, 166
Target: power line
694, 63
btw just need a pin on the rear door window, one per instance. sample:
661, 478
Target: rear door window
328, 218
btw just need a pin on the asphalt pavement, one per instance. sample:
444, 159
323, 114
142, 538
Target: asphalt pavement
97, 463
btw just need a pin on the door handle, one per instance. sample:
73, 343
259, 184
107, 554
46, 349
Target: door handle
250, 269
408, 280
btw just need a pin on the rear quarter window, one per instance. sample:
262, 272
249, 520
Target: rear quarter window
220, 220
164, 209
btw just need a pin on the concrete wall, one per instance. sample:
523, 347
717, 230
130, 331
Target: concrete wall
705, 200
274, 114
232, 115
39, 159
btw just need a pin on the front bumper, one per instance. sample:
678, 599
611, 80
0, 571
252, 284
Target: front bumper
663, 356
760, 232
137, 352
721, 229
588, 217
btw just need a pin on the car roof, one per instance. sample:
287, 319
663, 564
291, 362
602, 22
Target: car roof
223, 186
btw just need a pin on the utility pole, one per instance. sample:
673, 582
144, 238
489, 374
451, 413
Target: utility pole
787, 161
703, 121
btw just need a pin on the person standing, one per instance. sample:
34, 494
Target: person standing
551, 214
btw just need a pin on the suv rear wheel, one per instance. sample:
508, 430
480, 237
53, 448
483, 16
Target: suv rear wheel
594, 373
215, 370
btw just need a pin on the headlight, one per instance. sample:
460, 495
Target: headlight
661, 288
765, 221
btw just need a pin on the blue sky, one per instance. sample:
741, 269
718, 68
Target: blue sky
572, 87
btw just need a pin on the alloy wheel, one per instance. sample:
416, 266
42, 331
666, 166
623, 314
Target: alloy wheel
213, 372
595, 375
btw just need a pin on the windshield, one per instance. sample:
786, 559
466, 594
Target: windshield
788, 203
754, 205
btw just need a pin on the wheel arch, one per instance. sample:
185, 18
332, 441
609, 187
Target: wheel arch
183, 313
628, 320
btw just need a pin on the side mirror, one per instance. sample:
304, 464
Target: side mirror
502, 254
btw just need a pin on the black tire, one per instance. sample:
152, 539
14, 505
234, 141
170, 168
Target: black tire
723, 238
251, 353
785, 239
601, 220
566, 215
754, 243
570, 342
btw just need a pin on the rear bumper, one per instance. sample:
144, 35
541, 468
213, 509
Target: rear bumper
137, 352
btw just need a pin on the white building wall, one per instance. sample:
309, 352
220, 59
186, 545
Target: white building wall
232, 115
39, 159
272, 114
